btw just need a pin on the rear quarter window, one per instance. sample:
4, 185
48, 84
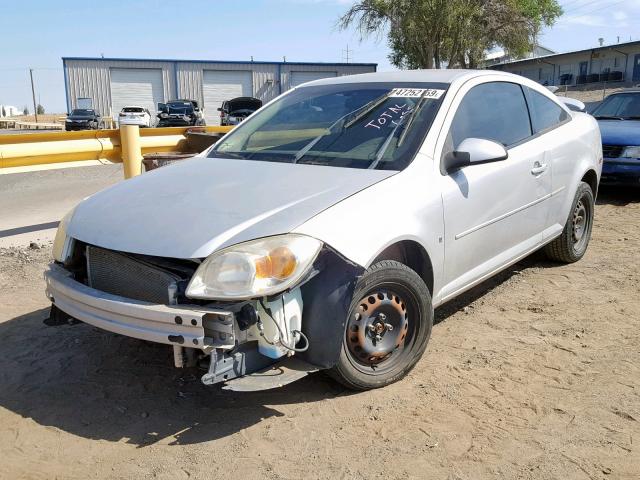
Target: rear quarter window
545, 113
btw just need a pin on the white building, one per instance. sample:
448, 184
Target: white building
108, 84
618, 63
500, 56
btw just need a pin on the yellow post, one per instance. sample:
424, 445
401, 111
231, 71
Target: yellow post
131, 150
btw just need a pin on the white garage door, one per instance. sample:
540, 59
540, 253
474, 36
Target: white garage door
136, 86
221, 85
298, 78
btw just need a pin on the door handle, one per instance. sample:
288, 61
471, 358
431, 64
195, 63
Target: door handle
538, 168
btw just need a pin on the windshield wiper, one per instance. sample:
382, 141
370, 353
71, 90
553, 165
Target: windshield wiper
365, 109
381, 151
406, 126
304, 150
411, 118
632, 117
607, 117
369, 107
373, 104
219, 154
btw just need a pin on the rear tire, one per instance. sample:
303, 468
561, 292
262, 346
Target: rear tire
388, 327
572, 244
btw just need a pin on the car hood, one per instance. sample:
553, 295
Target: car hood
620, 132
244, 103
198, 206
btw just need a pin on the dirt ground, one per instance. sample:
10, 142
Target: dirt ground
533, 375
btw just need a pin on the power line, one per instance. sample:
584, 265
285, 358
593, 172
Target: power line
581, 14
578, 7
26, 69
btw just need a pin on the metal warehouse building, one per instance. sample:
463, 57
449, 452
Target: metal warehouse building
619, 62
108, 84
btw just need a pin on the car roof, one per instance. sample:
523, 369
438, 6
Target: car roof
433, 75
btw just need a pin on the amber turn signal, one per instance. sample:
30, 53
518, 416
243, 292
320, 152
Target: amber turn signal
280, 263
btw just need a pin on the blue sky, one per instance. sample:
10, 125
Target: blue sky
301, 30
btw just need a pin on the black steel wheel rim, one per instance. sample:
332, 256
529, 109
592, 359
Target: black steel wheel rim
381, 328
581, 223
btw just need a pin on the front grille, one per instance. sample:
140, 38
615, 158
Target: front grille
122, 275
612, 151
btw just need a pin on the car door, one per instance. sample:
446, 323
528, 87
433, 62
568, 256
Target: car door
548, 120
493, 212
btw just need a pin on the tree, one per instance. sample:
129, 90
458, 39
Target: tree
432, 33
40, 110
25, 110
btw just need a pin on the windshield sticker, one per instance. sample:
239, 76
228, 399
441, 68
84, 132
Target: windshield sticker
393, 115
416, 93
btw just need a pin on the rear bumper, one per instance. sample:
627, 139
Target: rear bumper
194, 327
134, 121
620, 172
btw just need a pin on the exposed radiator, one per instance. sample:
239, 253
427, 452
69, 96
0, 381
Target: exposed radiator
122, 275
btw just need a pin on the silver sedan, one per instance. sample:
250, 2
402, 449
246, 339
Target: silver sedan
322, 232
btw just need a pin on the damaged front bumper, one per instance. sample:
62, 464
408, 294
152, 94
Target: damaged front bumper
195, 327
222, 332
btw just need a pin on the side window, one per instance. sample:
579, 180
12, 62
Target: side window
493, 111
545, 113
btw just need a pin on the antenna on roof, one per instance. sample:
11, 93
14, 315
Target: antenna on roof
601, 41
252, 55
284, 59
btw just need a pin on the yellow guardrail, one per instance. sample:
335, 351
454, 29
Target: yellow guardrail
28, 149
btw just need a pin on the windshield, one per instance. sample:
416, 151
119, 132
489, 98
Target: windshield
354, 125
180, 107
82, 112
133, 110
622, 106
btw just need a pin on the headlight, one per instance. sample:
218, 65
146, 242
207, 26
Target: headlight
62, 243
68, 120
631, 152
164, 115
254, 269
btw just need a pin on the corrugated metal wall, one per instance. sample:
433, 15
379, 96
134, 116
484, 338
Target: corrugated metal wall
90, 78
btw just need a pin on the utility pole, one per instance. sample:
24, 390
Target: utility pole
33, 95
346, 54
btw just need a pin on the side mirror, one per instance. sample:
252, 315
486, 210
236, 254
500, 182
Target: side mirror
473, 151
220, 109
162, 107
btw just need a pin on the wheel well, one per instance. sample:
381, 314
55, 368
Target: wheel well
414, 256
591, 177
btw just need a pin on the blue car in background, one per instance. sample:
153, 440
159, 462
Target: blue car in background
619, 119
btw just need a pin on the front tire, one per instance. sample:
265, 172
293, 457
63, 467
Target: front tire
572, 244
388, 327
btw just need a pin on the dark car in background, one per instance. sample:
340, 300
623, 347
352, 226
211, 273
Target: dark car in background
83, 119
234, 111
180, 113
619, 119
